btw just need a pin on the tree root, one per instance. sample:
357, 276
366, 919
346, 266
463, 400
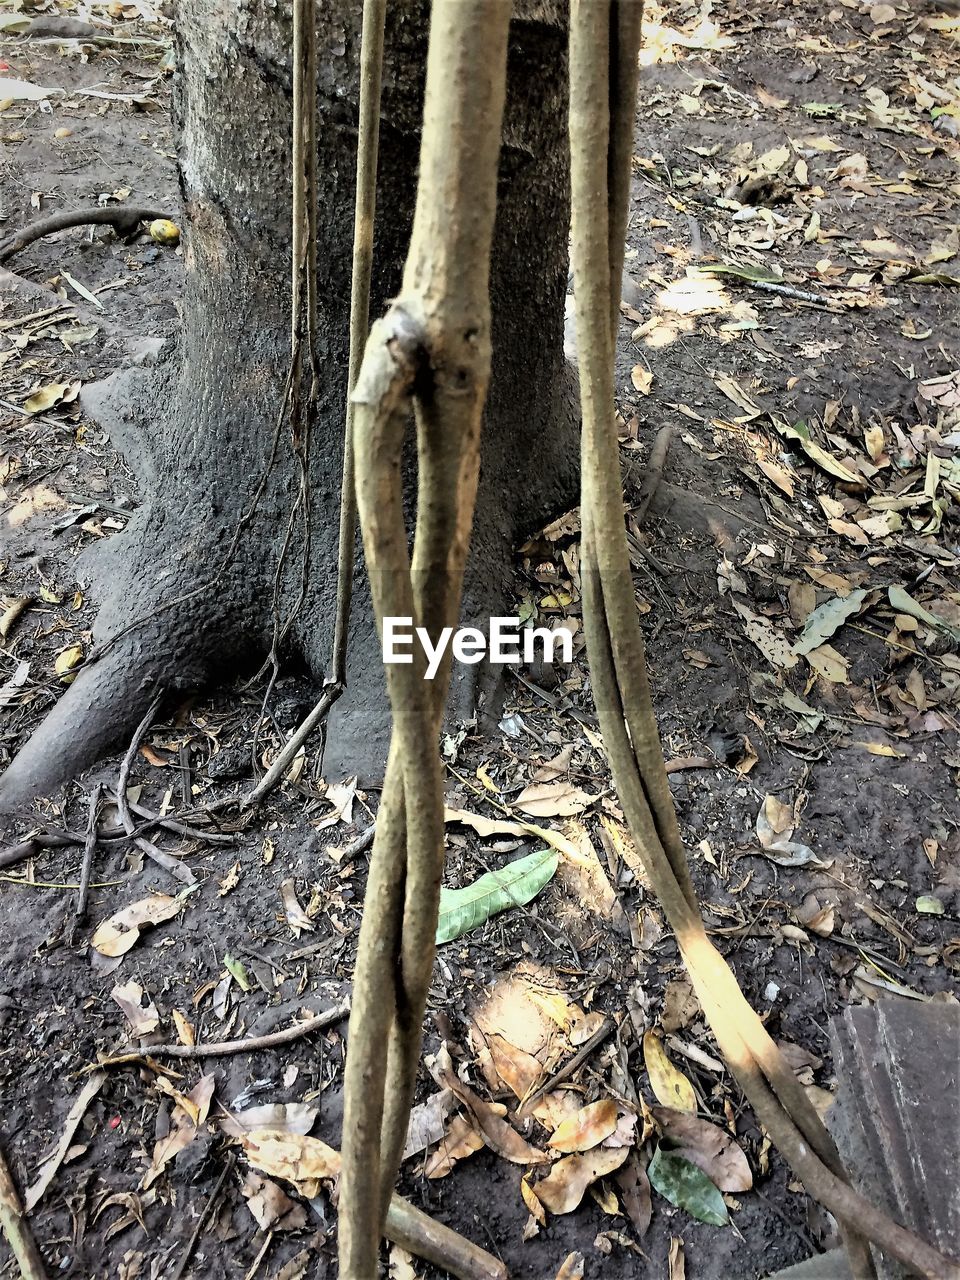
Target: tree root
604, 42
124, 221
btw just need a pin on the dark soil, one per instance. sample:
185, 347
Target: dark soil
869, 760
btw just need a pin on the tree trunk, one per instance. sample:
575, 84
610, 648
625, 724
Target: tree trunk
198, 427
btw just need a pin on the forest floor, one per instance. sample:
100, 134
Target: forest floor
797, 579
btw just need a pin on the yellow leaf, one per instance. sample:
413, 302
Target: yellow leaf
46, 398
585, 1130
670, 1086
881, 749
185, 1031
67, 659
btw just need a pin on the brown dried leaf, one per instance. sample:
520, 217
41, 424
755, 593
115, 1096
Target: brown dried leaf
118, 934
499, 1136
272, 1208
143, 1018
590, 1126
706, 1145
565, 1185
553, 799
461, 1139
303, 1161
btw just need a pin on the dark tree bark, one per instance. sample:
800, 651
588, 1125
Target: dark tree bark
198, 426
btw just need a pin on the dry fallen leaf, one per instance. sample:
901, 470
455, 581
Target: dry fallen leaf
590, 1126
670, 1086
118, 934
461, 1139
642, 379
297, 918
143, 1018
270, 1205
189, 1115
553, 799
565, 1185
498, 1134
301, 1160
706, 1145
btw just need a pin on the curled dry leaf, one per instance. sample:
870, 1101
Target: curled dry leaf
462, 1139
118, 934
301, 1160
499, 1136
706, 1145
670, 1086
553, 799
565, 1185
142, 1015
272, 1208
590, 1126
297, 918
572, 1267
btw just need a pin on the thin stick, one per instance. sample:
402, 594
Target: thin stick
159, 856
224, 1048
371, 66
89, 845
17, 1229
566, 1071
204, 1218
368, 145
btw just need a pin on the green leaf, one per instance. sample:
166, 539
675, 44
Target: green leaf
927, 905
827, 619
761, 274
512, 886
683, 1184
237, 972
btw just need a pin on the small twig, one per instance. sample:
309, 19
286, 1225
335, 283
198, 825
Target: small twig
291, 747
16, 1229
159, 856
222, 1048
89, 846
788, 291
179, 828
566, 1071
123, 220
426, 1238
204, 1218
361, 844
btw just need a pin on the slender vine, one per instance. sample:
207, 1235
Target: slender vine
604, 45
432, 352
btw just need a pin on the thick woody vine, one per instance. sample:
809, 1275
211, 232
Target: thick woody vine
432, 351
